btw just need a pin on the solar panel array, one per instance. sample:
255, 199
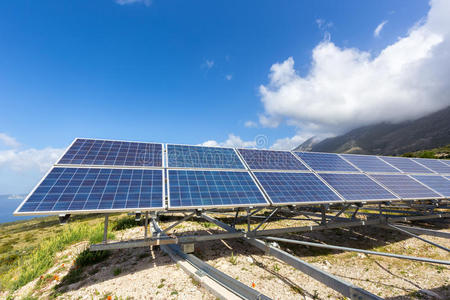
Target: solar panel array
271, 160
294, 188
189, 188
181, 156
113, 153
357, 187
371, 164
406, 165
434, 164
326, 162
92, 189
103, 176
406, 187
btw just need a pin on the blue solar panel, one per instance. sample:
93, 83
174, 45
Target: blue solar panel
357, 187
89, 189
447, 162
325, 162
189, 188
113, 153
271, 160
283, 187
434, 164
180, 156
437, 183
406, 165
405, 187
369, 163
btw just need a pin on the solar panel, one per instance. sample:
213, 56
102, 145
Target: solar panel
325, 162
406, 165
113, 153
295, 188
271, 160
357, 187
369, 163
405, 186
445, 161
437, 183
93, 189
180, 156
434, 164
196, 188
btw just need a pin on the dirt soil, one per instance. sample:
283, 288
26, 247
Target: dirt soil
148, 273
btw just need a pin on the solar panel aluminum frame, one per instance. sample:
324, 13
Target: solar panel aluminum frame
215, 206
80, 212
204, 169
408, 198
298, 203
418, 173
112, 166
368, 200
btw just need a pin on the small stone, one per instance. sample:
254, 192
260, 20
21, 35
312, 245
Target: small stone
250, 260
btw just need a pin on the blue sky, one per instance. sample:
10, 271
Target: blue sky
174, 71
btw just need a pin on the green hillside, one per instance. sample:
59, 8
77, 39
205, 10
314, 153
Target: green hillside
441, 152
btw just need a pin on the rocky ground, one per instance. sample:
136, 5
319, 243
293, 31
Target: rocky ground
147, 273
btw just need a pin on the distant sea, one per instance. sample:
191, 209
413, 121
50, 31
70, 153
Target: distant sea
8, 204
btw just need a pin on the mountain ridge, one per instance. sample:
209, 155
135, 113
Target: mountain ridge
384, 138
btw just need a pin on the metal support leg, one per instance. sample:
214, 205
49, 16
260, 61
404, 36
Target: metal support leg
105, 230
266, 219
324, 215
248, 219
146, 225
235, 218
181, 221
354, 213
341, 211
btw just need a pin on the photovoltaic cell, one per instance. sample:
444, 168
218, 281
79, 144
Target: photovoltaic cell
189, 188
271, 160
113, 153
357, 187
91, 189
447, 162
369, 163
436, 182
325, 162
283, 187
202, 157
405, 187
406, 165
434, 164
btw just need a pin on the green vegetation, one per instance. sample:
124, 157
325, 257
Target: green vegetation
117, 271
126, 222
28, 248
441, 152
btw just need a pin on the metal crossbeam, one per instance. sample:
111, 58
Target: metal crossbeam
345, 288
223, 279
325, 246
418, 237
430, 232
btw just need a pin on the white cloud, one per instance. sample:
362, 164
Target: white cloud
8, 141
250, 124
323, 24
232, 141
208, 64
228, 77
126, 2
377, 31
347, 87
23, 160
